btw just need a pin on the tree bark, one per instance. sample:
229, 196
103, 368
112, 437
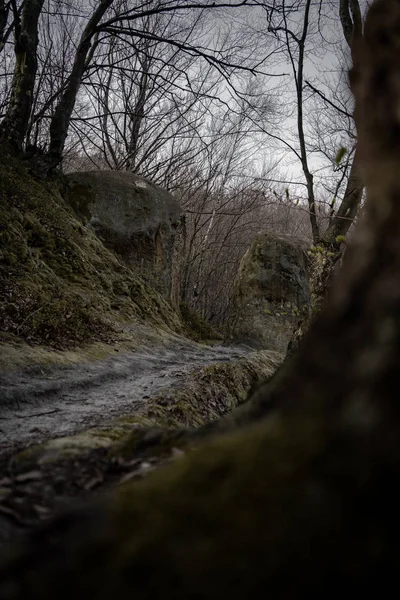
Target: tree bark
15, 123
349, 206
325, 256
3, 21
324, 260
136, 116
62, 115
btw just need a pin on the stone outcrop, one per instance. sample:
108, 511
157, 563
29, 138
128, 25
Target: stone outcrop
271, 292
140, 221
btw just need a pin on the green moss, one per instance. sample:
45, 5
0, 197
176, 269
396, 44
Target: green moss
264, 509
112, 434
208, 394
167, 420
60, 286
196, 327
27, 458
149, 441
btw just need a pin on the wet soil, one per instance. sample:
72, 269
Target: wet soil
47, 402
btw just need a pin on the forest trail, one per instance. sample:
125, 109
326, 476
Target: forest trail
48, 402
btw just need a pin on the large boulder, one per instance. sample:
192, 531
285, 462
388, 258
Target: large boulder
271, 292
135, 218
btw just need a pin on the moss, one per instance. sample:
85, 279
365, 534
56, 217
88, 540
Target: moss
167, 420
59, 285
264, 509
196, 327
27, 458
150, 441
120, 287
208, 394
80, 201
112, 434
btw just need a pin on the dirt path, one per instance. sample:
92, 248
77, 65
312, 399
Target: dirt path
51, 402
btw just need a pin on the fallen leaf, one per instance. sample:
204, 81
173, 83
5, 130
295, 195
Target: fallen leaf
42, 511
29, 476
93, 482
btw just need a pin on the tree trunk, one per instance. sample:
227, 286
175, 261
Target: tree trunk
15, 123
136, 117
326, 253
349, 206
300, 127
325, 256
3, 21
62, 115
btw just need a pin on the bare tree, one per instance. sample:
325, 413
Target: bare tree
8, 12
140, 101
124, 22
58, 38
62, 115
117, 25
14, 125
300, 26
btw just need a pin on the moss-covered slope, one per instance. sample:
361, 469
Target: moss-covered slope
59, 285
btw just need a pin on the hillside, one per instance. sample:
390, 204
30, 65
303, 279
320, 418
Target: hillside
59, 285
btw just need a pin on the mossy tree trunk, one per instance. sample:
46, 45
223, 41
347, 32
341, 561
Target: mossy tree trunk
347, 211
15, 123
327, 250
325, 255
324, 260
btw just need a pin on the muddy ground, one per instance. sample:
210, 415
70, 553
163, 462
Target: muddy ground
47, 402
43, 403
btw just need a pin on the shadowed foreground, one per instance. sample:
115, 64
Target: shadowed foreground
305, 503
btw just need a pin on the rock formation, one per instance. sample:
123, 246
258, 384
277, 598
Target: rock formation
271, 292
137, 219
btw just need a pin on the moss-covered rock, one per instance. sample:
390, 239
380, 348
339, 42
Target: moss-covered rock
271, 292
133, 217
59, 285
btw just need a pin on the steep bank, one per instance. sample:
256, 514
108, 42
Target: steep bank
59, 285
